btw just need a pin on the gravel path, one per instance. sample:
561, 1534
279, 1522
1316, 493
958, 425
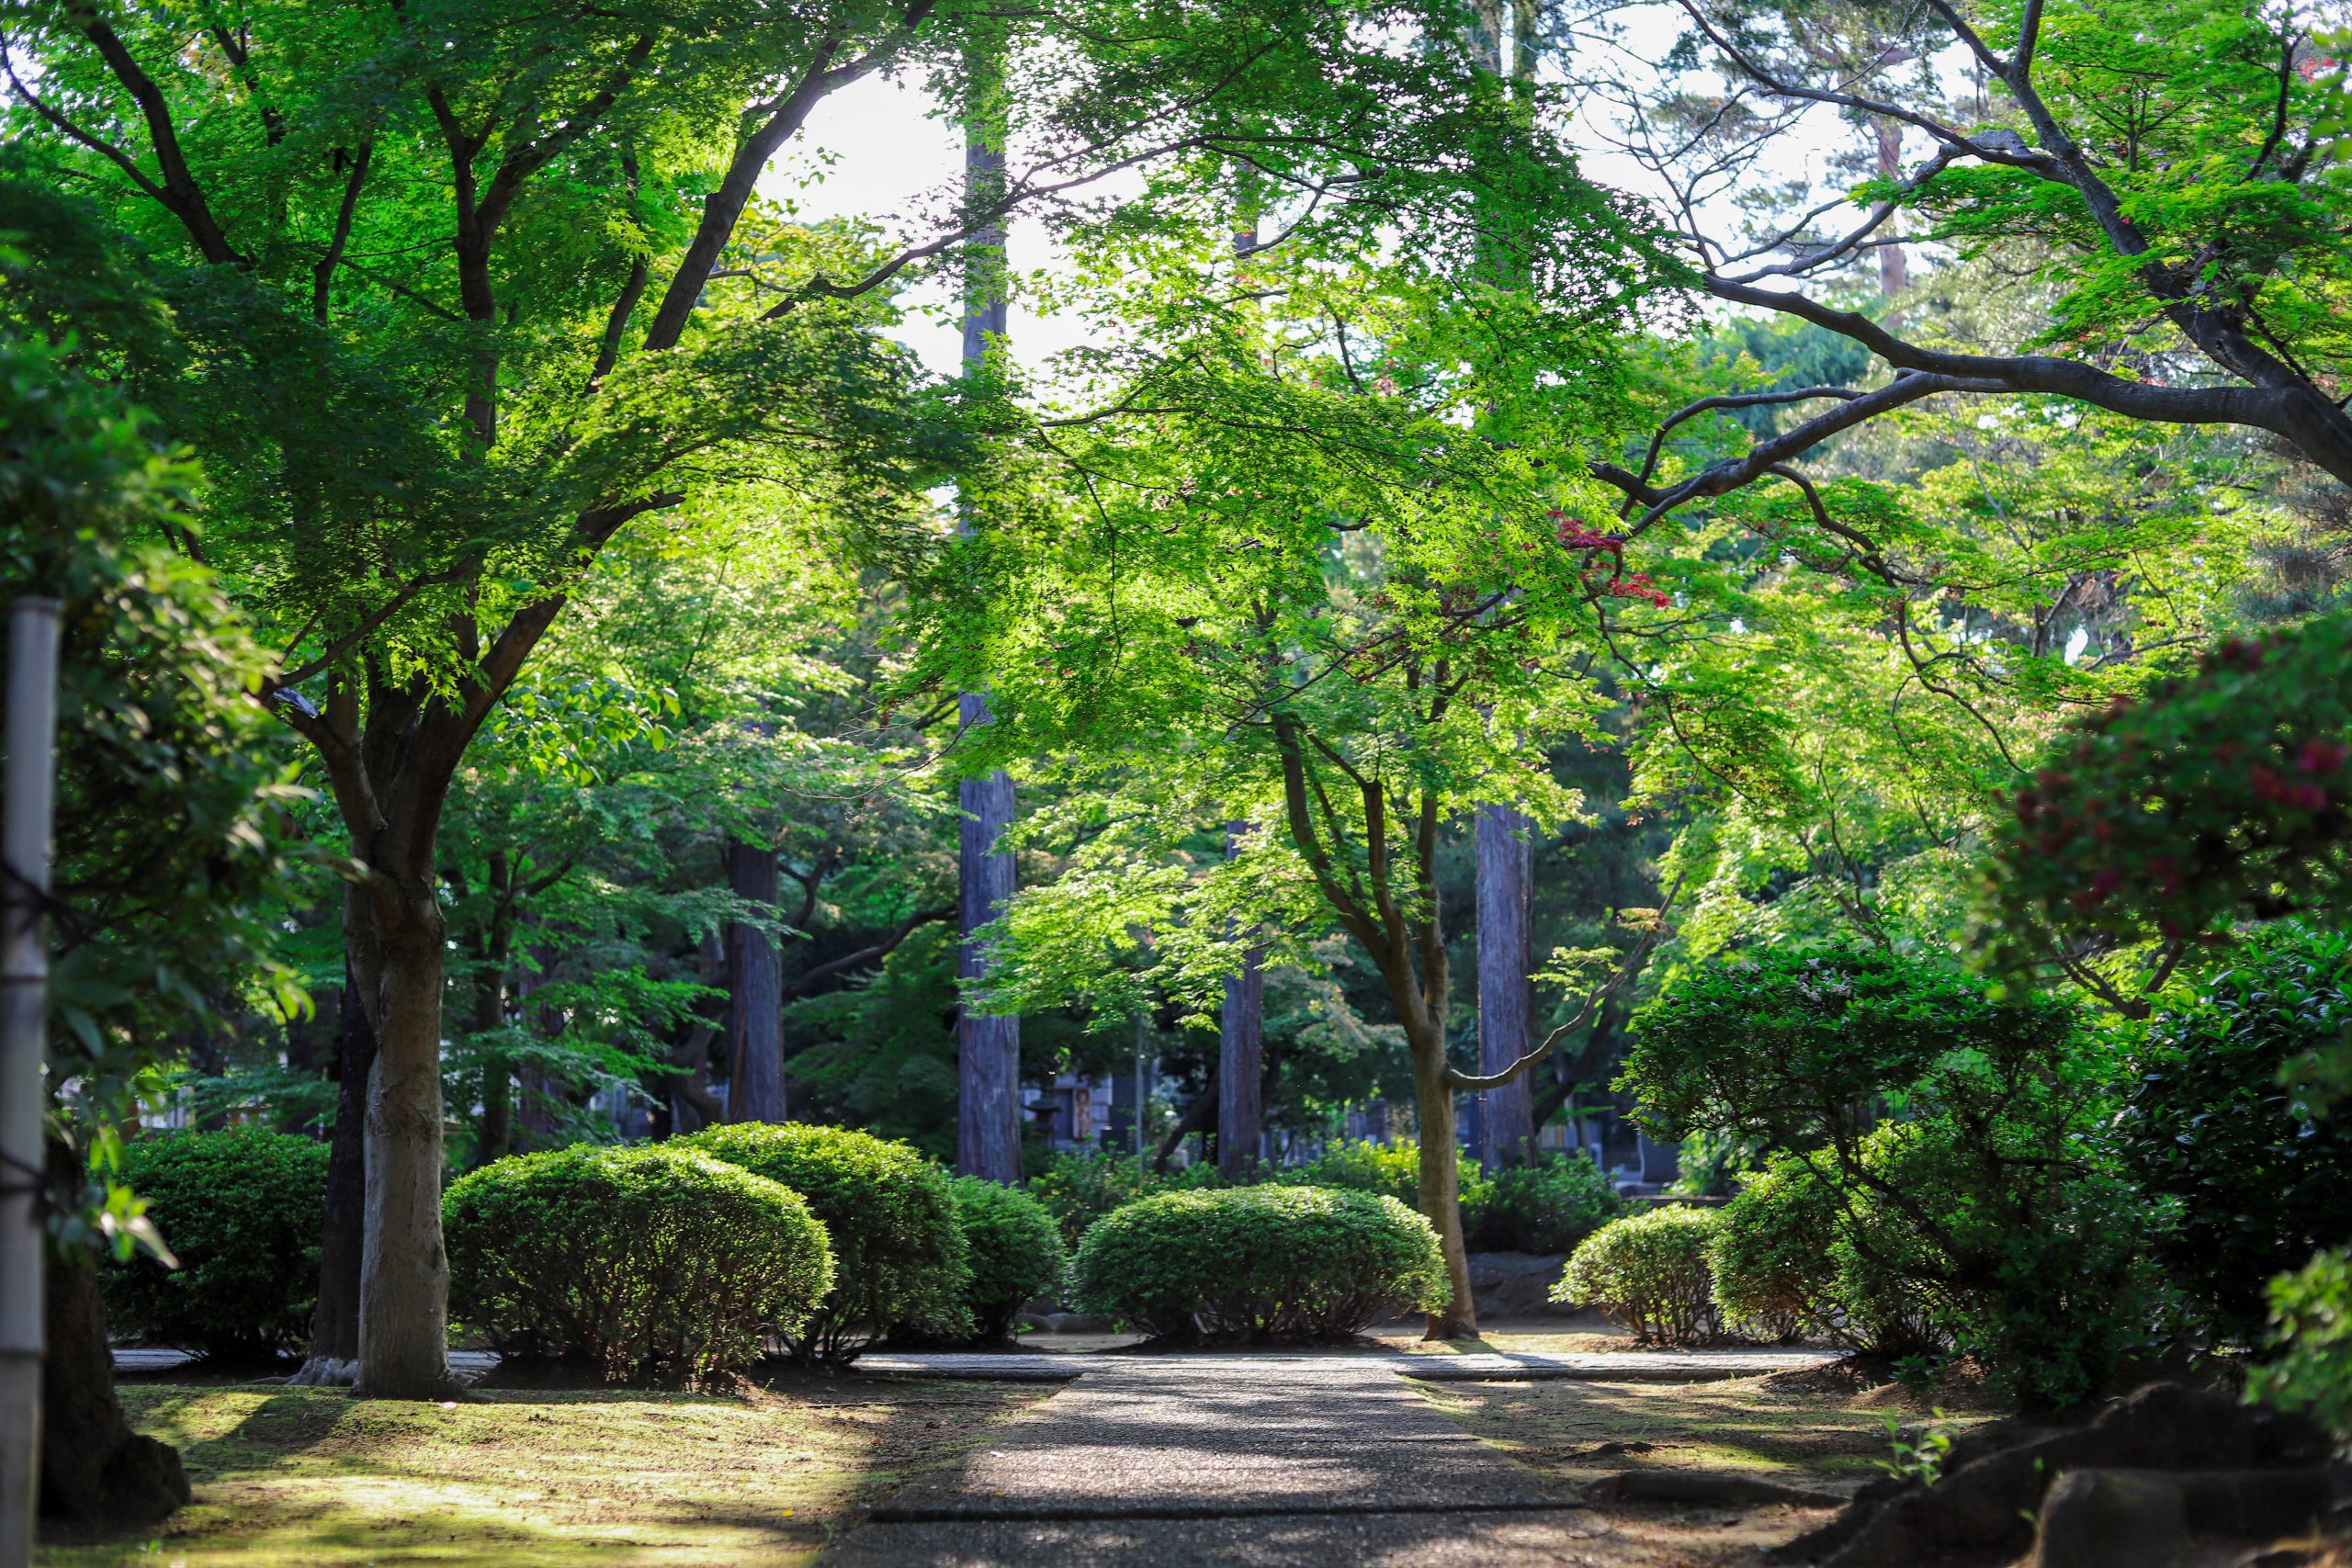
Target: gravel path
1180, 1460
1151, 1462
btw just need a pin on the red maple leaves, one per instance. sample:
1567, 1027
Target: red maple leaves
1575, 536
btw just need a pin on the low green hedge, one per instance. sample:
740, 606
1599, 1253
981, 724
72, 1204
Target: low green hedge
241, 1209
653, 1264
1277, 1262
1650, 1273
899, 1249
1014, 1250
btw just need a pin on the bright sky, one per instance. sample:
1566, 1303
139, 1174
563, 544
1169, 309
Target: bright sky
878, 147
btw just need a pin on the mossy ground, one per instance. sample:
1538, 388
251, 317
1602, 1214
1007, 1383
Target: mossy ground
1826, 1431
305, 1478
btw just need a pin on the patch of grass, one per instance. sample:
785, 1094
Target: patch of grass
1746, 1423
312, 1478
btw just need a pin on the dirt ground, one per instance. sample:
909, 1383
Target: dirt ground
311, 1478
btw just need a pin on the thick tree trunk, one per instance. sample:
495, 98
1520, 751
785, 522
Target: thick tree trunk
1441, 1189
1240, 1111
1241, 1029
404, 1273
335, 1321
94, 1468
755, 995
988, 1049
1506, 859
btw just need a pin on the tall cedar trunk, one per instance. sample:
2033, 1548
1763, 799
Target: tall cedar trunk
404, 1270
755, 995
1506, 862
335, 1321
1240, 1113
988, 1049
94, 1468
1441, 1189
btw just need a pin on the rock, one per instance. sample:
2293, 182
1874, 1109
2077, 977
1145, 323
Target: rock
1036, 1323
1077, 1323
1516, 1284
2141, 1518
2112, 1519
1703, 1488
1994, 1481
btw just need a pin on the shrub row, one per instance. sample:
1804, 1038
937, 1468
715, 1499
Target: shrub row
665, 1262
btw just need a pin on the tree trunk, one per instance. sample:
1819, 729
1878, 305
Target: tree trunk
404, 1271
1506, 860
1199, 1117
94, 1468
1241, 1029
988, 1049
754, 994
1893, 273
335, 1321
1441, 1189
495, 1137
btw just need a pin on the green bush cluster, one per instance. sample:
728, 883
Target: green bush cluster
899, 1249
242, 1209
1079, 1189
1952, 1140
1275, 1262
1649, 1271
651, 1264
1013, 1248
1549, 1204
2257, 1173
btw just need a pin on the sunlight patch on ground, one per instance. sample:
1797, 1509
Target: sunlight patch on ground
305, 1478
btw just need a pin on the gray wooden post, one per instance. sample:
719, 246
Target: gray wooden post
25, 819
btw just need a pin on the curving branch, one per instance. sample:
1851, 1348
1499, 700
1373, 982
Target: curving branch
1594, 1000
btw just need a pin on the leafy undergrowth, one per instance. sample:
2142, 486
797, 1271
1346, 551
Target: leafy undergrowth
304, 1477
1824, 1430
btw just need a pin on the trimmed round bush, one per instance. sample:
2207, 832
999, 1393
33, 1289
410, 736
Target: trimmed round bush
1547, 1205
241, 1209
653, 1264
899, 1249
1014, 1250
1274, 1262
1775, 1271
1649, 1272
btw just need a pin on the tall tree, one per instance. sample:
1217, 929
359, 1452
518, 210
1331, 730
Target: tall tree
1506, 995
1242, 1039
988, 1046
